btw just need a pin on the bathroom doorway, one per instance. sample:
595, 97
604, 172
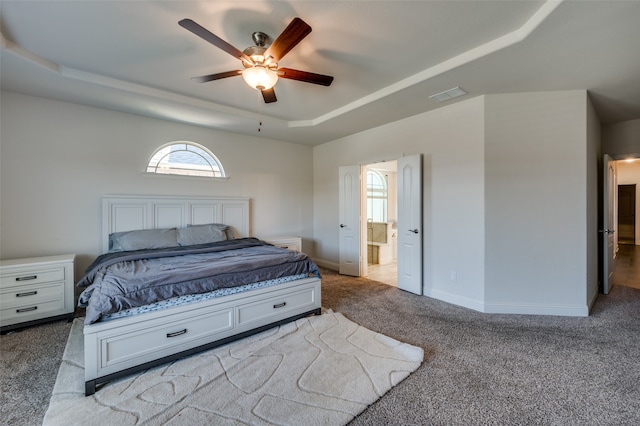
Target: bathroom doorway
382, 215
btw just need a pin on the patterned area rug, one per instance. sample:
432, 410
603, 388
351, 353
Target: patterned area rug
320, 370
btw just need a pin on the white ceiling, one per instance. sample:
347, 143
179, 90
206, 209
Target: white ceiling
387, 58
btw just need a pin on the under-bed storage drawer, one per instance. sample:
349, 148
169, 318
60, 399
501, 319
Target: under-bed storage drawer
296, 299
151, 342
112, 347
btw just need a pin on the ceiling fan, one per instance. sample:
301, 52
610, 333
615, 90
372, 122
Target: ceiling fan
260, 63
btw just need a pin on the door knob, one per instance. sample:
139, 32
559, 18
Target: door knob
342, 226
415, 231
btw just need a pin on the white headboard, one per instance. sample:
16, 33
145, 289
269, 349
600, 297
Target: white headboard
131, 212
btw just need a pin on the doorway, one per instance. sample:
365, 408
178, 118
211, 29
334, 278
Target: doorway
353, 224
620, 223
381, 208
627, 214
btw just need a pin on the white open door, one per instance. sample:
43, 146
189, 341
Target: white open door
410, 224
349, 217
609, 188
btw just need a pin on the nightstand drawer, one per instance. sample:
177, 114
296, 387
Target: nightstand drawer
32, 294
289, 243
294, 247
29, 311
33, 276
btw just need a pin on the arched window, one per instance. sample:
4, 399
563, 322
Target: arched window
185, 158
377, 196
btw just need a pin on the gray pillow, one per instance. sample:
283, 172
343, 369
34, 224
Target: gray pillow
143, 239
226, 228
202, 234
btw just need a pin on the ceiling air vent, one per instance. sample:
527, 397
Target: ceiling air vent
448, 94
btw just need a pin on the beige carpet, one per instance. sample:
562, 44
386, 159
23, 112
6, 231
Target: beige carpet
320, 370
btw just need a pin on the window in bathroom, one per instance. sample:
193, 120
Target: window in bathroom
377, 196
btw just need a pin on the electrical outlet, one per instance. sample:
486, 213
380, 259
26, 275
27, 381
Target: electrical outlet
453, 275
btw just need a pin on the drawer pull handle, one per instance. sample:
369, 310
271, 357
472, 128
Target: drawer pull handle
176, 333
33, 308
280, 305
29, 278
30, 293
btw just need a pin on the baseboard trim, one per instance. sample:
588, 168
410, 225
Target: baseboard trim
534, 309
455, 299
510, 308
327, 264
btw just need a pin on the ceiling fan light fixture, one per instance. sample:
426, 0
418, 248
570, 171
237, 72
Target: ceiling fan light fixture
259, 77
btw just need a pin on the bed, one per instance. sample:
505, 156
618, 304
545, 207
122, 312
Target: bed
149, 302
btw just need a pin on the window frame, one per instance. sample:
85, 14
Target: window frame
152, 169
378, 194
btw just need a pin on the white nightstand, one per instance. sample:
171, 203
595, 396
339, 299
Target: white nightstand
291, 243
36, 290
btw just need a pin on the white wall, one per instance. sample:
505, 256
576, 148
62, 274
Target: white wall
451, 141
536, 203
510, 199
622, 140
58, 159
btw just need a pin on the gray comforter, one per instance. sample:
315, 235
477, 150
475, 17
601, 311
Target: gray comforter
122, 280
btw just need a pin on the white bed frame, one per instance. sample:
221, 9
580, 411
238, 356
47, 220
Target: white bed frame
126, 345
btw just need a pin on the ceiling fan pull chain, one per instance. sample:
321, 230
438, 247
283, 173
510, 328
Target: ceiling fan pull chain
260, 119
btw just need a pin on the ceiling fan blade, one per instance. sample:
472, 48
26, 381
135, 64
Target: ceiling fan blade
290, 37
269, 95
218, 76
213, 39
307, 77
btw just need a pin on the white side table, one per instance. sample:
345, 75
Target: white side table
36, 290
291, 243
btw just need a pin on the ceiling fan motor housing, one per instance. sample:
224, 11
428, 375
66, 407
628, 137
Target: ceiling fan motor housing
256, 53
